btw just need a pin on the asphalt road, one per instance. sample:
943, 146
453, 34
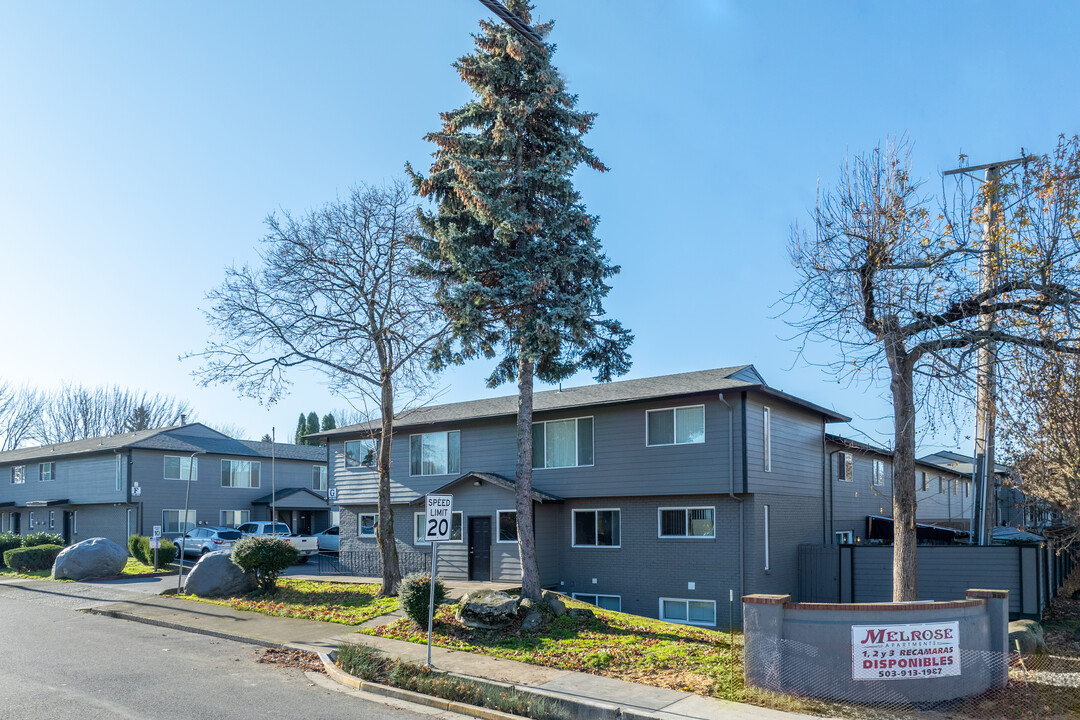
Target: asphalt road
57, 662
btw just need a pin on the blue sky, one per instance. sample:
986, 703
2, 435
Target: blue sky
142, 144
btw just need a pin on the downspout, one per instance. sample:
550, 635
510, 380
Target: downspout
826, 514
731, 486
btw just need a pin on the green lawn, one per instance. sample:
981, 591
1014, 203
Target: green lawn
136, 568
345, 603
6, 572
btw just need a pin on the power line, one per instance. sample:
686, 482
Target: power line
515, 22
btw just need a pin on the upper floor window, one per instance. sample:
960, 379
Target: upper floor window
693, 522
924, 483
675, 426
48, 471
435, 453
956, 487
178, 467
767, 437
240, 473
563, 443
597, 528
318, 477
360, 453
940, 484
967, 489
879, 472
846, 470
119, 472
18, 475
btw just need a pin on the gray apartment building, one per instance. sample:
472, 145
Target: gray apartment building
657, 496
125, 484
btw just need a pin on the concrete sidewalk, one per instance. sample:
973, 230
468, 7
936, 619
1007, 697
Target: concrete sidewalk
605, 694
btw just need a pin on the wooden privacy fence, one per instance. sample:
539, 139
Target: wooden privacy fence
1033, 575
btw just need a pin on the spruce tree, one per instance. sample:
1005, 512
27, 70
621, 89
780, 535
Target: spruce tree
312, 427
301, 430
520, 274
328, 422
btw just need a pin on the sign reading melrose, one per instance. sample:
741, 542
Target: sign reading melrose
893, 652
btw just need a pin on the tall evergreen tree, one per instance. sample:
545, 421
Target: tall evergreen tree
521, 275
312, 427
301, 430
266, 438
328, 422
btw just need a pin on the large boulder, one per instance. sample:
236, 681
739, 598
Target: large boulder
216, 575
486, 609
555, 603
94, 558
1030, 636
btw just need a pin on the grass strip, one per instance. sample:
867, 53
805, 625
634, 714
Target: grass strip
343, 603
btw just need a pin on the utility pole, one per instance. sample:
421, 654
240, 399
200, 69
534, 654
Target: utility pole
983, 476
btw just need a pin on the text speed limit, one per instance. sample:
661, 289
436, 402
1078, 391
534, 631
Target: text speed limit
438, 518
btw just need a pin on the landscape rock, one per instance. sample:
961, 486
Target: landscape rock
534, 621
94, 558
487, 609
1030, 636
526, 605
216, 575
557, 606
581, 613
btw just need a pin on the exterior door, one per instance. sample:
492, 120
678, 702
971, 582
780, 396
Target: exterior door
67, 527
16, 523
303, 523
480, 549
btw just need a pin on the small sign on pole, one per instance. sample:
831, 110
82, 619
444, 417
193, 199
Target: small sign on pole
157, 531
438, 523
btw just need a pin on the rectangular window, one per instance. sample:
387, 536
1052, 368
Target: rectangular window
924, 484
75, 522
366, 527
675, 426
240, 473
233, 518
956, 487
845, 537
688, 612
418, 529
31, 521
967, 489
171, 521
18, 475
119, 472
48, 471
767, 437
606, 602
435, 453
692, 522
597, 528
879, 472
318, 477
940, 485
335, 517
507, 526
179, 467
766, 537
52, 519
563, 443
846, 467
360, 453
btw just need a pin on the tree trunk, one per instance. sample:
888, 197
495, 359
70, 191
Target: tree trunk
530, 573
905, 547
391, 570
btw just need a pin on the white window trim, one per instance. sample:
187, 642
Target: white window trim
687, 509
21, 473
249, 486
52, 519
31, 521
497, 540
233, 513
576, 436
193, 468
573, 529
448, 470
844, 537
52, 471
374, 449
766, 537
577, 596
180, 520
766, 422
675, 427
325, 477
418, 542
74, 522
374, 526
688, 621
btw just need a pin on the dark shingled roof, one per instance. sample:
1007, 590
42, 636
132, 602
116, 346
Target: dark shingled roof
690, 383
492, 479
877, 450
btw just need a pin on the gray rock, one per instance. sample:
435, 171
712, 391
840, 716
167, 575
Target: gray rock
581, 613
534, 621
526, 605
1030, 636
557, 606
487, 609
1076, 595
216, 575
94, 558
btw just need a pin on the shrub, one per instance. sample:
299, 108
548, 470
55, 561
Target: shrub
42, 538
135, 550
415, 591
139, 548
267, 557
39, 557
9, 541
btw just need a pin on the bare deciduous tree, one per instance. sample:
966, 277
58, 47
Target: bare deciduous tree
334, 292
20, 415
890, 277
77, 412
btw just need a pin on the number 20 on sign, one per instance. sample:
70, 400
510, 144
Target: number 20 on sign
438, 518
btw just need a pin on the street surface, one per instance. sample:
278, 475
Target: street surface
59, 663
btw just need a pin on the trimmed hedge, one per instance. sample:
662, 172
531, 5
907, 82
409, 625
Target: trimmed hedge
415, 592
9, 541
39, 557
139, 548
42, 538
267, 557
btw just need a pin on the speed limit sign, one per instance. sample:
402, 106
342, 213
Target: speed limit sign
439, 518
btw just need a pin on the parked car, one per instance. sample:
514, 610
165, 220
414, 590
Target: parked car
307, 545
207, 539
328, 539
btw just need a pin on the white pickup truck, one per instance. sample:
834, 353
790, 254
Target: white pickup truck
307, 545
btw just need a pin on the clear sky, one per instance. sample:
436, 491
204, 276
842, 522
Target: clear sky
143, 143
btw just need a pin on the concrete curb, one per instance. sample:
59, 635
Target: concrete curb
185, 628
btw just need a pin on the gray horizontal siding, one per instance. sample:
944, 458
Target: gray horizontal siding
81, 479
797, 435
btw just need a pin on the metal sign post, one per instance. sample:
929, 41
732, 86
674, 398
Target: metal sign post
155, 542
438, 522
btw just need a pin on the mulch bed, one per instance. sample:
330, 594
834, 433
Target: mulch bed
300, 659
